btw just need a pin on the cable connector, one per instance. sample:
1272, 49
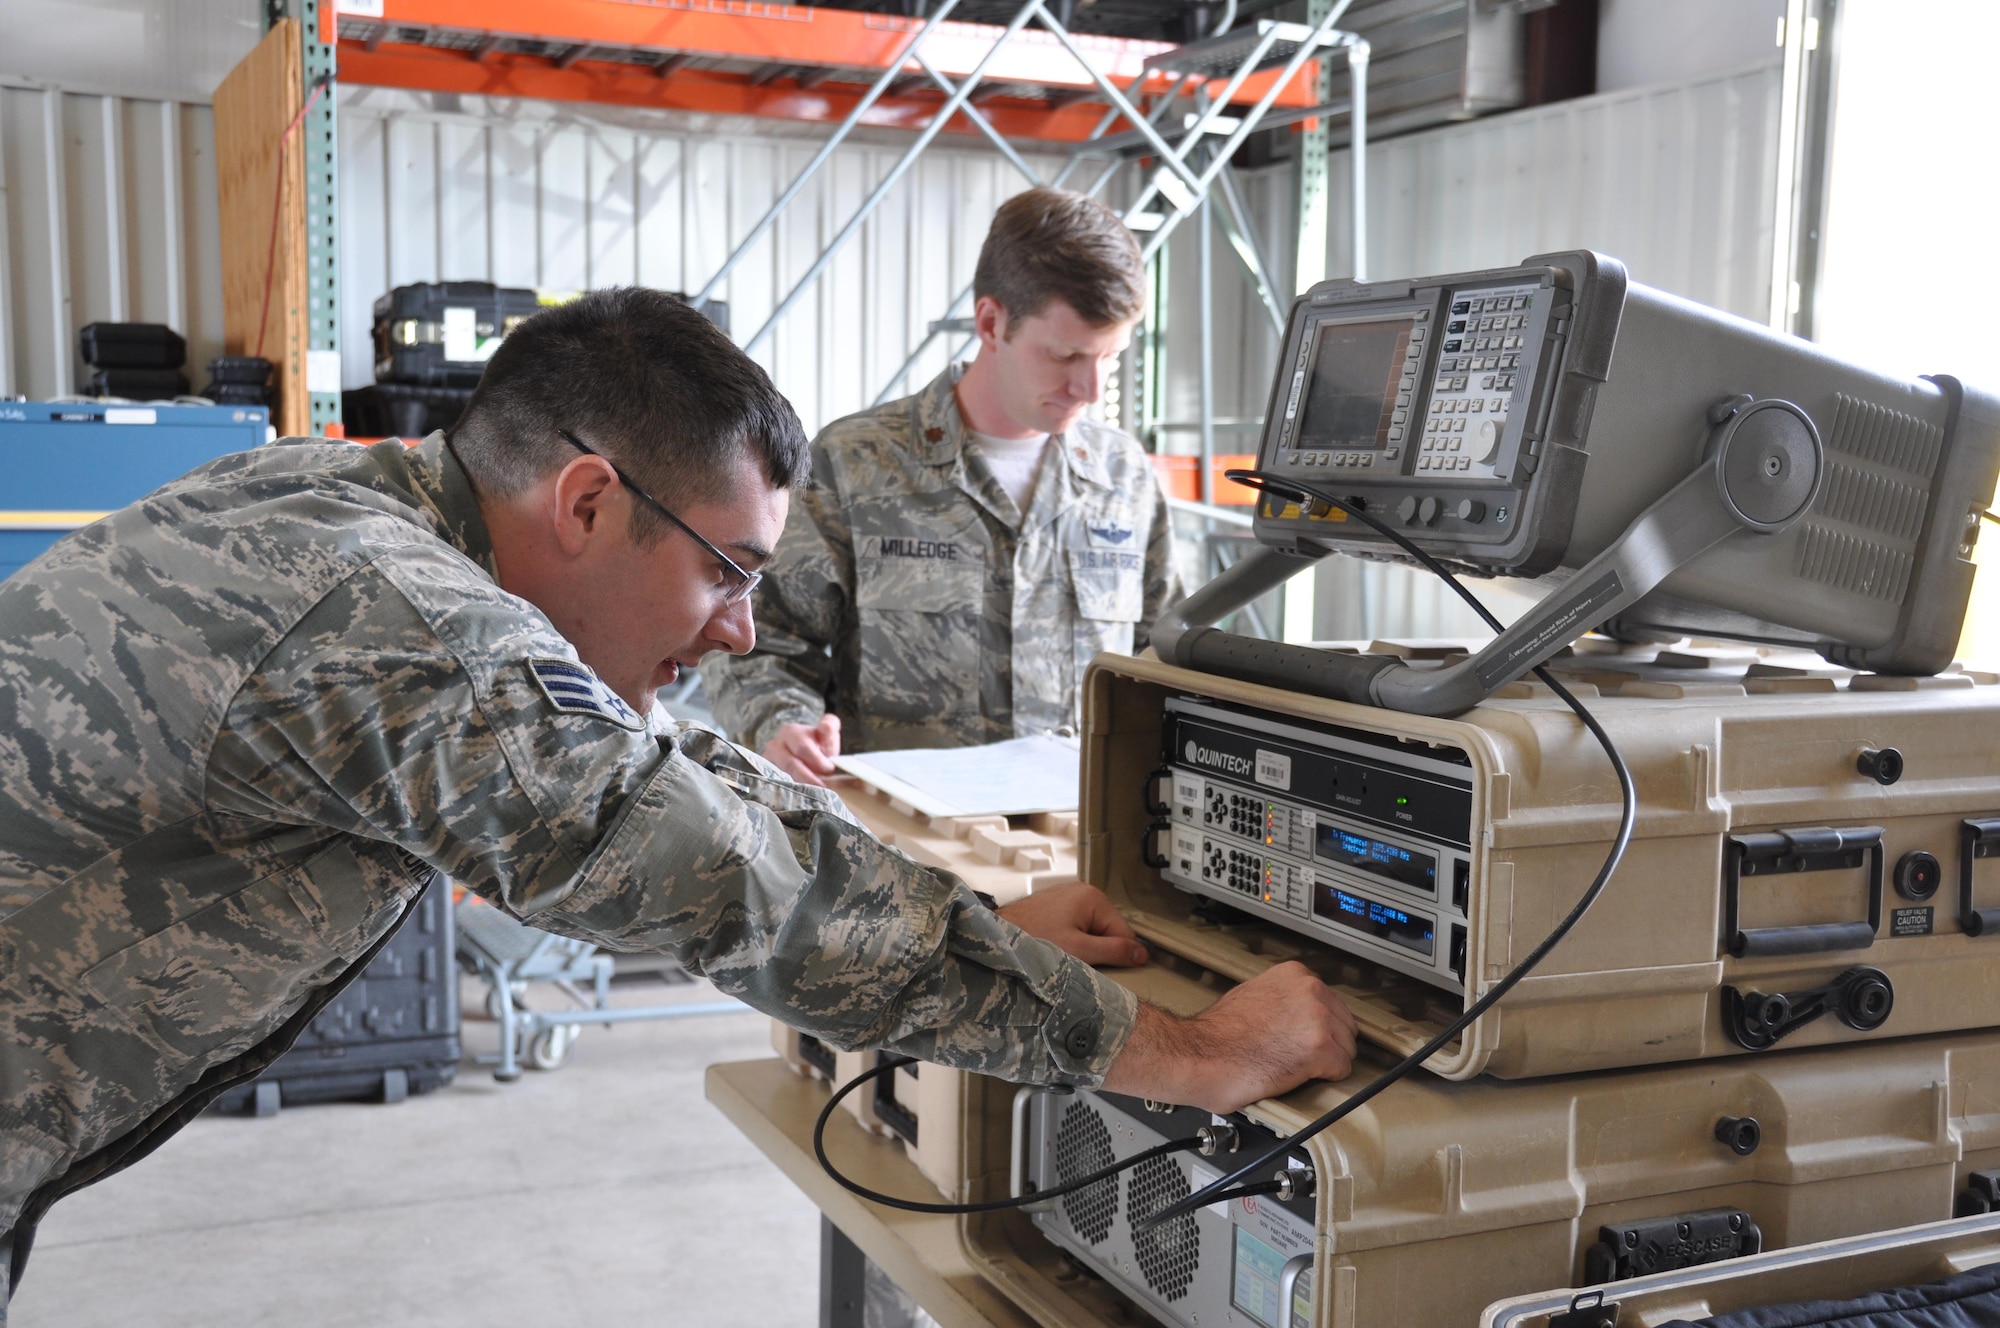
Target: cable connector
1217, 1138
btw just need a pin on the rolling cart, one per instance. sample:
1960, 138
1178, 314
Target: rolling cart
508, 954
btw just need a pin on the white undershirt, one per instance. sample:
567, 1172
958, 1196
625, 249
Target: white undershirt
1014, 461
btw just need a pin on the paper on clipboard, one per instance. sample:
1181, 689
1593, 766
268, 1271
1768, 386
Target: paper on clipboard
1012, 778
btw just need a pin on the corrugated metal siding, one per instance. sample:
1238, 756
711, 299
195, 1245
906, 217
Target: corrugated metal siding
107, 212
527, 195
1246, 347
1679, 182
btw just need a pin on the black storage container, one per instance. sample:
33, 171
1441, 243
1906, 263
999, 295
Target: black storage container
253, 370
399, 410
237, 394
393, 1032
239, 380
140, 384
131, 346
441, 333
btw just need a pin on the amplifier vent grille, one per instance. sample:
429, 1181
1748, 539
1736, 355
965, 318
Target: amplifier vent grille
1168, 1254
1083, 1145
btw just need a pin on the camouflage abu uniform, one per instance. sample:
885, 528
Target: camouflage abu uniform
244, 720
951, 617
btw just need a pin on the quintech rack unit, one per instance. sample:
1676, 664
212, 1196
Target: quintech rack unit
1794, 876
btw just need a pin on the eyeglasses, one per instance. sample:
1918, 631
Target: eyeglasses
743, 581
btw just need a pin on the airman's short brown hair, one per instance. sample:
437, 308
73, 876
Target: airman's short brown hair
1053, 244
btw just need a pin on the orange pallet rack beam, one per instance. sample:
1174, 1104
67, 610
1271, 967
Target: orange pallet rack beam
729, 57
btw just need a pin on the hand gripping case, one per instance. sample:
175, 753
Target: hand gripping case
1810, 865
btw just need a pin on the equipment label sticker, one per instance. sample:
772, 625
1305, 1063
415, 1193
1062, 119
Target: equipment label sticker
1910, 921
1274, 769
1589, 608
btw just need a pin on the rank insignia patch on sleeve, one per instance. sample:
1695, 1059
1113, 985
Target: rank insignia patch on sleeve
574, 688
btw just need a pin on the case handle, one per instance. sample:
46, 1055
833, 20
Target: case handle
1976, 839
1821, 848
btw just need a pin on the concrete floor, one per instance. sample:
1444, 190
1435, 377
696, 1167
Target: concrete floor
606, 1192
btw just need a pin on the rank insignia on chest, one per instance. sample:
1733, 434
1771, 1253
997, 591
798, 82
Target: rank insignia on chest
574, 688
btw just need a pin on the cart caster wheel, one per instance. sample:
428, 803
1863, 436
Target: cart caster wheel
550, 1047
493, 1000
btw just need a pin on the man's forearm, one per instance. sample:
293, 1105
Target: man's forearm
1166, 1059
1264, 1037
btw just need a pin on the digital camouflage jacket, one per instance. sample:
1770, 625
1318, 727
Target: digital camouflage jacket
244, 720
910, 597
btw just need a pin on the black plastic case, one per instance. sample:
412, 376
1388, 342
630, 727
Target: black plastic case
410, 340
139, 384
131, 346
393, 1032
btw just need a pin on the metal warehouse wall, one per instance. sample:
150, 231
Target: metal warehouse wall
107, 211
527, 194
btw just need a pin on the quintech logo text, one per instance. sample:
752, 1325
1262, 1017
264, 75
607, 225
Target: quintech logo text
1214, 760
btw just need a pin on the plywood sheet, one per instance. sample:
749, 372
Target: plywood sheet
253, 106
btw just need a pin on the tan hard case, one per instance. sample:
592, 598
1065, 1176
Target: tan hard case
1831, 1270
927, 1108
1004, 857
1440, 1198
1720, 742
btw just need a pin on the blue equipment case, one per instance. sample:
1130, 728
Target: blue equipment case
63, 466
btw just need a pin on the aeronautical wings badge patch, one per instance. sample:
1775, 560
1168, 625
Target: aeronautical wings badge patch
1108, 537
574, 688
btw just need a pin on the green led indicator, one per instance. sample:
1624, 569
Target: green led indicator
1402, 802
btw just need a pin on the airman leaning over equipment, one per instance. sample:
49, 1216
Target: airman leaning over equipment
244, 721
961, 555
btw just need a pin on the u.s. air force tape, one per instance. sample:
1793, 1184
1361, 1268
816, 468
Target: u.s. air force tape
574, 688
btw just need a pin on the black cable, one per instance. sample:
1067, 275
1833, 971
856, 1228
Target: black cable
1629, 813
888, 1065
1271, 1186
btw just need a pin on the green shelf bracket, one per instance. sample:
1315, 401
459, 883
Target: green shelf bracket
319, 139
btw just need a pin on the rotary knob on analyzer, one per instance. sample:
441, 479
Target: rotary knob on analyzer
1489, 441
